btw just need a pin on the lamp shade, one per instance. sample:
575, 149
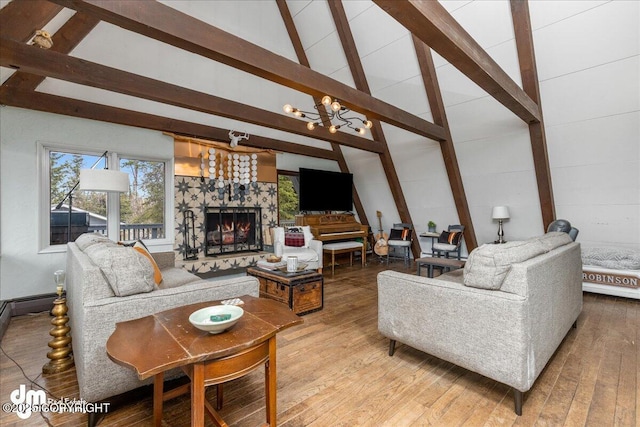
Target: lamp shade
500, 212
104, 180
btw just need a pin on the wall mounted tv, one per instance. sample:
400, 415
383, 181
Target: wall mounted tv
325, 191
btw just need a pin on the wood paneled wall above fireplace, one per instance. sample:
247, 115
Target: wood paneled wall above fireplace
189, 151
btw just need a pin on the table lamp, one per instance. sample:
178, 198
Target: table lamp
500, 213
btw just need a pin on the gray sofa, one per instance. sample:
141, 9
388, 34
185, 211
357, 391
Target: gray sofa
94, 308
503, 316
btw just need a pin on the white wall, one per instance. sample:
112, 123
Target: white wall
588, 65
587, 55
23, 270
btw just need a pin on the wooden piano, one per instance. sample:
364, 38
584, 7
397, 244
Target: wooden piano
333, 227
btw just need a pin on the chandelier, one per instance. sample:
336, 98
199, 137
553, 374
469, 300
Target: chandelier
335, 111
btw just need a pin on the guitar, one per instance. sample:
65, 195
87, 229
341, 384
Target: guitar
381, 248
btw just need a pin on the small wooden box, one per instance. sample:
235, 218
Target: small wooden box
302, 292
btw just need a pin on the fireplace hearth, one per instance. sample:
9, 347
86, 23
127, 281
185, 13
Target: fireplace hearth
232, 230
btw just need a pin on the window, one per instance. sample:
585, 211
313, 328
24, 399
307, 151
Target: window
142, 210
141, 213
73, 212
288, 186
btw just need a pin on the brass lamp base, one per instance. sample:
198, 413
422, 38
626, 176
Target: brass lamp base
55, 366
60, 354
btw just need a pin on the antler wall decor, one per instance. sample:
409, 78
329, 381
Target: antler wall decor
235, 139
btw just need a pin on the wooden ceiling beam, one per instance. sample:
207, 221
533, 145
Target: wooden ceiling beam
430, 22
64, 41
168, 25
88, 110
360, 79
289, 24
20, 19
436, 103
53, 64
529, 74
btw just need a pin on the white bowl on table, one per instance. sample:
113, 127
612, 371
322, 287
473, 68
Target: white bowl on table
201, 319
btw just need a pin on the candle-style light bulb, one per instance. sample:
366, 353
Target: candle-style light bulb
59, 278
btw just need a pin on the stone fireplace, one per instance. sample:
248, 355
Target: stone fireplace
230, 230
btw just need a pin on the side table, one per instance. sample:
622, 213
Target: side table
447, 264
302, 291
431, 235
205, 358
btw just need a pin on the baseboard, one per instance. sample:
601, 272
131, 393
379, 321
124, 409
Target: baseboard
32, 304
5, 317
20, 306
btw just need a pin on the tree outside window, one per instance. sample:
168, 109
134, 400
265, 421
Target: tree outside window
142, 209
288, 206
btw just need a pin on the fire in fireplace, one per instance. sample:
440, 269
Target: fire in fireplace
232, 230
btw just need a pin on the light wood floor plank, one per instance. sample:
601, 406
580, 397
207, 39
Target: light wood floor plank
334, 370
626, 409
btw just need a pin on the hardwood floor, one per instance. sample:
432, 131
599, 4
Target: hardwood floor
334, 370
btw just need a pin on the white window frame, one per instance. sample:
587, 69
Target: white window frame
113, 199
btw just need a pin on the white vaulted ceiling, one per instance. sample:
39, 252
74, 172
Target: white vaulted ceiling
587, 64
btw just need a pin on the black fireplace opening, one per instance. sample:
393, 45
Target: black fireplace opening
232, 230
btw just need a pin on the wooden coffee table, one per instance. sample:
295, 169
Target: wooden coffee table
166, 340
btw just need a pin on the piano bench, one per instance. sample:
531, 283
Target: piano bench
343, 248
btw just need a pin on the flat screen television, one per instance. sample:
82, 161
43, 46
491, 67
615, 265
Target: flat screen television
325, 191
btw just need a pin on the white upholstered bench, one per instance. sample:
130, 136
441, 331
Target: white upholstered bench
343, 248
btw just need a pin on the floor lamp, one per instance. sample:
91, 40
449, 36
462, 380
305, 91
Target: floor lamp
500, 213
60, 355
106, 180
96, 180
